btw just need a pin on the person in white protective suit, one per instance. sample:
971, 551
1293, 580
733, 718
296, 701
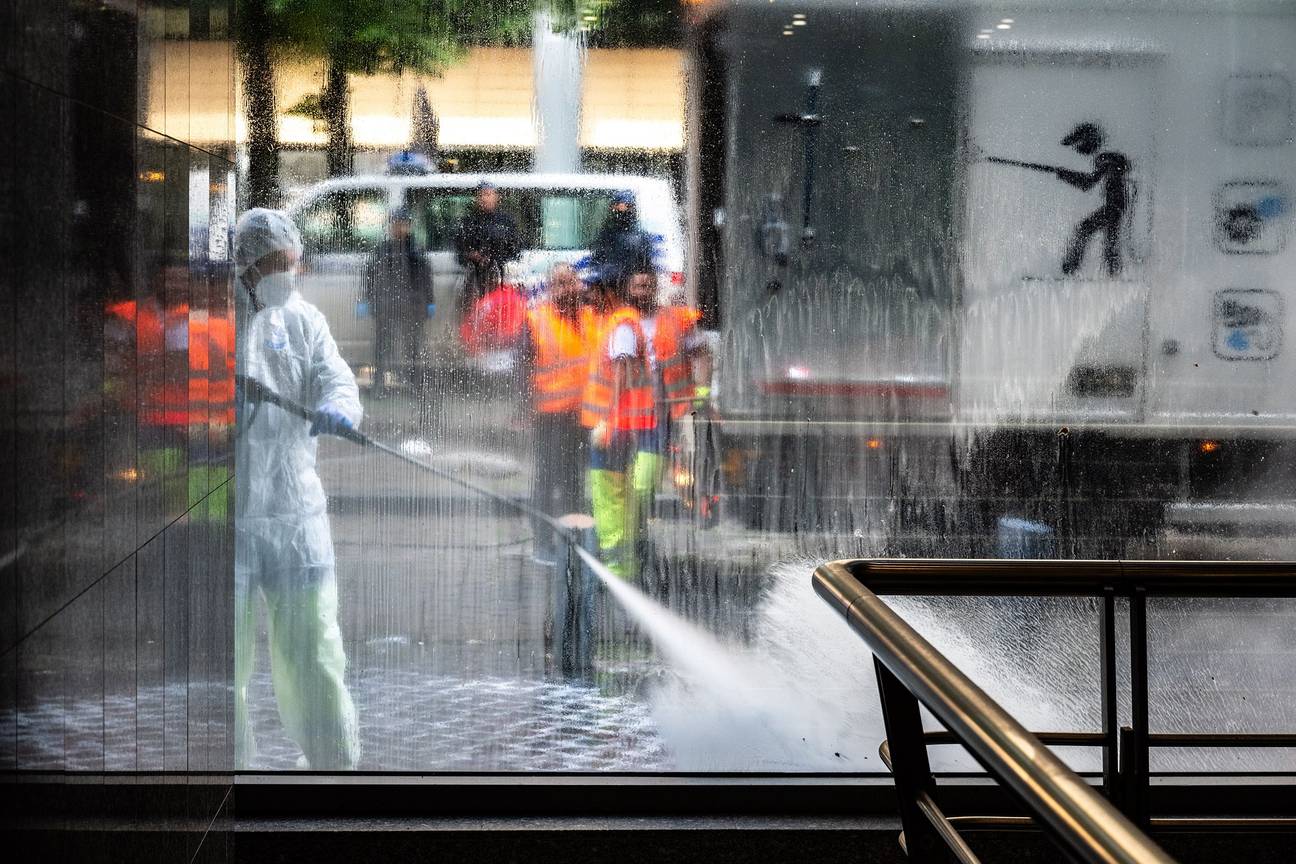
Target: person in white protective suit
284, 550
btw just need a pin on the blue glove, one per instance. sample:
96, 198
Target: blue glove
431, 310
362, 309
330, 421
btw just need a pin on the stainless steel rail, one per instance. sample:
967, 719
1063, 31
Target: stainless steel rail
910, 670
1074, 578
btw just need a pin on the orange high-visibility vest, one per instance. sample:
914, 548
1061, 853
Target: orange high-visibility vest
635, 410
208, 395
562, 351
674, 323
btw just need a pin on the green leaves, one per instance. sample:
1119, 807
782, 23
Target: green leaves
372, 36
377, 36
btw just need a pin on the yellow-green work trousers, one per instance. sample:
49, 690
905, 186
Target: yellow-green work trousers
621, 501
290, 565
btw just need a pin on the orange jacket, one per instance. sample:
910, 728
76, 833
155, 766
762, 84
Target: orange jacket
562, 357
674, 324
635, 409
208, 342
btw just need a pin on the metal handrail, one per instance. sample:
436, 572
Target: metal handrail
910, 670
1019, 578
1079, 818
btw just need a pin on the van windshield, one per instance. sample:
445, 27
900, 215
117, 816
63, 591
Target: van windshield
345, 220
547, 219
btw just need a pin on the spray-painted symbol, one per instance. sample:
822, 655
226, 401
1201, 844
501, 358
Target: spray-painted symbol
1248, 324
1251, 216
1258, 109
1111, 169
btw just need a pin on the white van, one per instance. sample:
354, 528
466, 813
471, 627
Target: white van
557, 215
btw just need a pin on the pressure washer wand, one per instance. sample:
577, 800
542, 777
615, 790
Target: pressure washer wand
258, 392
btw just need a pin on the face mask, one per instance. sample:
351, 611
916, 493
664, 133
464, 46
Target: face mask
275, 289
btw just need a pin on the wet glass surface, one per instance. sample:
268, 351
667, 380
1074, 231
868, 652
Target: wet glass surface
968, 281
948, 307
118, 541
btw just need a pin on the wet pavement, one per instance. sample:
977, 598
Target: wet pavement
411, 721
451, 658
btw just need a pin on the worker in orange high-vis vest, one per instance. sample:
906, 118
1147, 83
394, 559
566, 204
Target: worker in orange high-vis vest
558, 341
644, 374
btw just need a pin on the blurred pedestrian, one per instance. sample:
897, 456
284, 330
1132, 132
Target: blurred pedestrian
620, 241
558, 343
398, 287
283, 547
485, 242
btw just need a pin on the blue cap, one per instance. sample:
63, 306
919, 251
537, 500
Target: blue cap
409, 162
484, 185
623, 197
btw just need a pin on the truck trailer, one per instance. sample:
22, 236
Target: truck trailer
983, 270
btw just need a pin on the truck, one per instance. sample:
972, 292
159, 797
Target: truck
981, 271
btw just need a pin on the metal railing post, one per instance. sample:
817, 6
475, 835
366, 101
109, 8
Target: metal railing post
909, 766
1110, 701
1136, 806
911, 672
573, 607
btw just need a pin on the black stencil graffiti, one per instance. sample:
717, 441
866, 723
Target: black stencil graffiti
1111, 170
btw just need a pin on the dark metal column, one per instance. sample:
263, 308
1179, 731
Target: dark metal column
909, 766
1110, 702
1134, 762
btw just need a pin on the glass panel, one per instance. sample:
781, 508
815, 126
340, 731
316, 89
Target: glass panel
734, 289
345, 221
1219, 666
571, 220
731, 288
437, 214
115, 617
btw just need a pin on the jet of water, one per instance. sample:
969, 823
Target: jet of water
729, 708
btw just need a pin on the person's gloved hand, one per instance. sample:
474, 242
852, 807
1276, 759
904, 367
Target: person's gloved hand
362, 309
601, 435
431, 310
330, 421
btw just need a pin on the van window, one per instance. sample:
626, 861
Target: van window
347, 220
560, 219
571, 219
437, 213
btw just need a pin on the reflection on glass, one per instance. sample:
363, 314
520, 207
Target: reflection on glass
728, 295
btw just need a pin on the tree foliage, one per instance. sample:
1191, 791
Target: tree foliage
370, 37
621, 23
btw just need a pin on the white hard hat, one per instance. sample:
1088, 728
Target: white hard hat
260, 232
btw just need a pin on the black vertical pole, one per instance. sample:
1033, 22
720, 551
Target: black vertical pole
909, 766
811, 128
1137, 806
1107, 657
1066, 512
584, 586
566, 571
